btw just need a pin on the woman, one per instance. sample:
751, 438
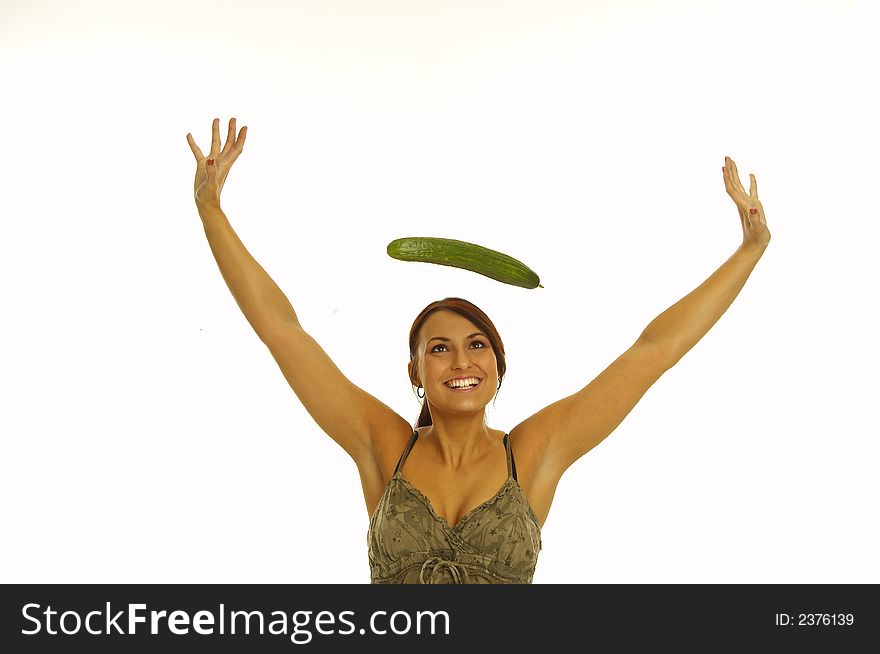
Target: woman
454, 500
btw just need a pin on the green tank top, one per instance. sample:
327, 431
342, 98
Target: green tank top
497, 542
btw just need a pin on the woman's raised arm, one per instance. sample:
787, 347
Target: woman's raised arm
561, 433
345, 412
260, 299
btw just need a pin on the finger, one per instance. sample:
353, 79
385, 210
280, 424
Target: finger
753, 187
192, 146
230, 136
235, 150
728, 175
728, 178
215, 138
739, 196
736, 179
731, 166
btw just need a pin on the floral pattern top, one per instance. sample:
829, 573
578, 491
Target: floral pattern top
408, 542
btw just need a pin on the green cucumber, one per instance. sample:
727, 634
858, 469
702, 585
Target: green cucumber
460, 254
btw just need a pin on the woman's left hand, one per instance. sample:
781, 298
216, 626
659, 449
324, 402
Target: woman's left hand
751, 213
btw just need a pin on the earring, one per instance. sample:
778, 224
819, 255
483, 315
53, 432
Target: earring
423, 391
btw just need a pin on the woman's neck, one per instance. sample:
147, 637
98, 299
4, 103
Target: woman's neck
458, 441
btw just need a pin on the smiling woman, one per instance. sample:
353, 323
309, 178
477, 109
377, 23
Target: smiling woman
445, 499
486, 337
457, 354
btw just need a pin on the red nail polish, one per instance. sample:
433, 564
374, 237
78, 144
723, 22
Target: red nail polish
210, 162
753, 211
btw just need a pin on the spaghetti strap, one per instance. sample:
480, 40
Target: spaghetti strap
511, 464
402, 459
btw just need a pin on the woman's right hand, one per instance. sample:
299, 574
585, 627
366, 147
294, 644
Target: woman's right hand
211, 176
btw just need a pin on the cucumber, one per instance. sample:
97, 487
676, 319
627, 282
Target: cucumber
460, 254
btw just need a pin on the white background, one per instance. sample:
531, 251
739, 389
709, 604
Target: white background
149, 436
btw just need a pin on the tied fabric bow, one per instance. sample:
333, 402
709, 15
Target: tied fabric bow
457, 570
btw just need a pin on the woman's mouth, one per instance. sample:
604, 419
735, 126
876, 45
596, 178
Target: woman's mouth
463, 385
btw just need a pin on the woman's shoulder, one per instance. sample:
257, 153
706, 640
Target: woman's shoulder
526, 447
389, 445
375, 472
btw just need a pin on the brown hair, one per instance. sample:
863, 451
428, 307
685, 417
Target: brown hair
478, 318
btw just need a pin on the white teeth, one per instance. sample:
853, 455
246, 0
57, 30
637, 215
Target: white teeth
467, 383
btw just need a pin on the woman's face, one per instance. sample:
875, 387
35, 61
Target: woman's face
451, 347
